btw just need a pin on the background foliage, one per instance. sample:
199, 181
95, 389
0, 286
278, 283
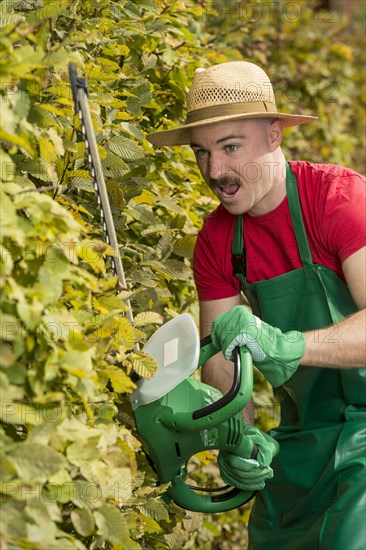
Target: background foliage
73, 472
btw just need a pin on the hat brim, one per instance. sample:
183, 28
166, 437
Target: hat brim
182, 134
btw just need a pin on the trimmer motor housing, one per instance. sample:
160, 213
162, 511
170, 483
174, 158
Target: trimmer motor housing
192, 417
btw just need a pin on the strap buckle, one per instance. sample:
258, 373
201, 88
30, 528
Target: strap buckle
239, 264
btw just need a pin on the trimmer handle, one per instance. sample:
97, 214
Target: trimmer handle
228, 499
210, 501
227, 407
242, 385
232, 402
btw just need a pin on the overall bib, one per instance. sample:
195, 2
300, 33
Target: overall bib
317, 498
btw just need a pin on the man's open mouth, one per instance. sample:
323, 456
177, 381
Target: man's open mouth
226, 187
229, 190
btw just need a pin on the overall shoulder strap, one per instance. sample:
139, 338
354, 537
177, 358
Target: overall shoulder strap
296, 217
238, 256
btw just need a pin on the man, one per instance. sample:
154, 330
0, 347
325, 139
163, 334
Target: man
292, 237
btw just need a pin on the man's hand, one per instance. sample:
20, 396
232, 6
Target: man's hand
246, 473
276, 354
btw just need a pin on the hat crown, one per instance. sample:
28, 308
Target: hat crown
232, 82
226, 92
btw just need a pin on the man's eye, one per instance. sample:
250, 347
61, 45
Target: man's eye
231, 148
201, 153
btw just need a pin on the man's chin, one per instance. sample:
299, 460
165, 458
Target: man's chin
235, 209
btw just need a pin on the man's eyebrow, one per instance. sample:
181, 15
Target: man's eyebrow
233, 136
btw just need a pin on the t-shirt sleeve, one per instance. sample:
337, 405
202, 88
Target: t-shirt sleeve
344, 220
212, 265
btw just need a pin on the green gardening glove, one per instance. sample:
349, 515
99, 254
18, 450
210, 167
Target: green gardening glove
246, 473
275, 353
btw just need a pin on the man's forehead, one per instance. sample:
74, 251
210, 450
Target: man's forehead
222, 130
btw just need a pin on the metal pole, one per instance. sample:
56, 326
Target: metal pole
79, 90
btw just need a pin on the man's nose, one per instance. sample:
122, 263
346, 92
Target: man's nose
217, 167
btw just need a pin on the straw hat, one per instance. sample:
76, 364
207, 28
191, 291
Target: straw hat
228, 91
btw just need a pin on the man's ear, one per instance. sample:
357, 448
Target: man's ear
275, 133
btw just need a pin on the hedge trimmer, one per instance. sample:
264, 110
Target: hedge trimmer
176, 415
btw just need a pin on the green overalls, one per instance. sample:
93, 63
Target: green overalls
317, 498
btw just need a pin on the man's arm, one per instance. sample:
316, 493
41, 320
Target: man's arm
343, 344
217, 371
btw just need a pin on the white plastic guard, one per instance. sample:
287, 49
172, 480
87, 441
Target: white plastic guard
176, 348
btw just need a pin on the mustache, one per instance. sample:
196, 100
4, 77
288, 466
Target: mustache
224, 180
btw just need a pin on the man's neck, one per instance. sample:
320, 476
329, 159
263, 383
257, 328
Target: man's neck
277, 193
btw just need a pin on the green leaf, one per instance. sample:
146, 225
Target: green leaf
85, 494
13, 412
41, 169
171, 205
7, 167
11, 328
125, 148
156, 230
148, 61
142, 214
77, 362
7, 356
13, 522
50, 10
76, 430
36, 462
170, 269
83, 521
155, 509
142, 98
112, 526
60, 325
185, 246
116, 484
114, 166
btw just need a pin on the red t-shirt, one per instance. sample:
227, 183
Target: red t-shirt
333, 205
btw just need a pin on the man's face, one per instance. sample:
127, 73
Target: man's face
237, 162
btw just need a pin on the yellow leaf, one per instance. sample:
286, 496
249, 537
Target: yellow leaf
206, 457
185, 246
46, 149
124, 50
57, 142
112, 302
145, 198
150, 525
90, 252
17, 140
124, 116
127, 336
145, 365
98, 306
51, 108
148, 317
121, 383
